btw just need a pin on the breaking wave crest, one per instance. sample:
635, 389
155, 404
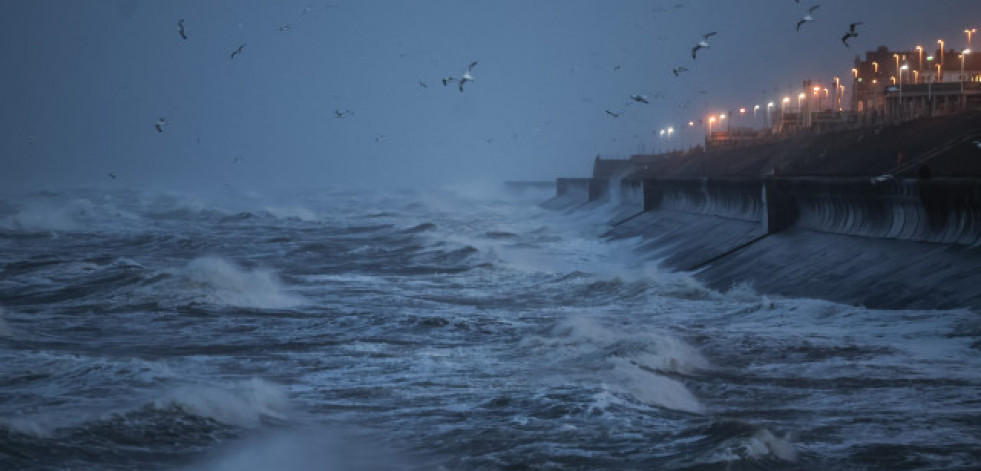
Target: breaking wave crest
215, 280
643, 365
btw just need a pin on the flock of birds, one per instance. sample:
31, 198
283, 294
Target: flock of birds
467, 75
704, 44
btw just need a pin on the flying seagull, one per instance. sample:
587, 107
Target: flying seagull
702, 43
342, 114
851, 33
615, 115
640, 99
180, 29
112, 175
160, 124
466, 75
423, 84
807, 17
616, 67
285, 27
237, 51
678, 70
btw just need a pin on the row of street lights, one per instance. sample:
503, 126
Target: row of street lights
667, 132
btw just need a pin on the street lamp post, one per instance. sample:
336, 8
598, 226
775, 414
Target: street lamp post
941, 41
901, 69
969, 32
800, 109
920, 50
769, 122
963, 56
897, 63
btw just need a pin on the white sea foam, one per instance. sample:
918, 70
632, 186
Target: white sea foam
635, 363
244, 404
218, 281
651, 388
760, 445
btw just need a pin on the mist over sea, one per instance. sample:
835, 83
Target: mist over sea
440, 329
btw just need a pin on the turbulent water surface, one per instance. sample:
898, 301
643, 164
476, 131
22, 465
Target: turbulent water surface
434, 330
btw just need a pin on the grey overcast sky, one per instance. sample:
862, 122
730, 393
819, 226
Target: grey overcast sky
84, 81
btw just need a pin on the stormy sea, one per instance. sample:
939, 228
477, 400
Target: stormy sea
438, 330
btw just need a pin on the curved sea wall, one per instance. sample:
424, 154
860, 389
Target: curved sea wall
943, 210
897, 243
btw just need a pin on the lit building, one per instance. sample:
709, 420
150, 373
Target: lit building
907, 84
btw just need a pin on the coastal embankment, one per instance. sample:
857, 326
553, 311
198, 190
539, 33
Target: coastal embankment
865, 234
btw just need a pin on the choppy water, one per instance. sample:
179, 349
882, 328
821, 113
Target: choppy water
433, 330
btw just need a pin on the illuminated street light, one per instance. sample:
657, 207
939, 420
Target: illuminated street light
710, 121
893, 78
940, 72
901, 69
897, 63
755, 109
941, 41
875, 65
920, 49
916, 76
855, 73
769, 105
969, 32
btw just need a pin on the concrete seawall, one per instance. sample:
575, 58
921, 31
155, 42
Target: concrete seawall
906, 242
941, 210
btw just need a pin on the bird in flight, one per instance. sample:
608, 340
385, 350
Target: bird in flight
702, 43
678, 70
640, 99
615, 115
342, 114
423, 84
467, 77
112, 175
807, 17
851, 33
180, 29
237, 51
160, 124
